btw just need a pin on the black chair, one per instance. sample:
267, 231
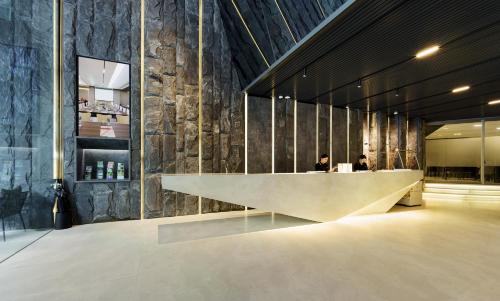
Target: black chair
11, 204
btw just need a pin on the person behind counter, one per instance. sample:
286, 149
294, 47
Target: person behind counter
361, 164
323, 164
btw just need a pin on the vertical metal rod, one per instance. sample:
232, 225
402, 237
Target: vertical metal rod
483, 151
331, 135
348, 138
273, 103
200, 94
246, 133
317, 132
295, 136
142, 103
58, 90
387, 143
246, 137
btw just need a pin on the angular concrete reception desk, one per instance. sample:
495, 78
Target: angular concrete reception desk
314, 196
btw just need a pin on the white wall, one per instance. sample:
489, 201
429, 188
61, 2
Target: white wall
124, 98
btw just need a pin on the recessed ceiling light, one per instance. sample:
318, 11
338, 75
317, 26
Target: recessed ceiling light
397, 92
477, 125
359, 83
287, 97
427, 51
304, 74
395, 112
457, 134
460, 89
280, 97
498, 129
494, 102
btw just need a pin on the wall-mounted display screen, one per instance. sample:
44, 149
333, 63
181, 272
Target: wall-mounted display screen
103, 98
103, 94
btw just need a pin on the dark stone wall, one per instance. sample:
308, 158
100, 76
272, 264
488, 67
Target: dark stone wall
107, 30
323, 129
383, 141
269, 29
355, 135
386, 135
172, 104
415, 144
26, 107
259, 135
339, 139
283, 136
397, 142
306, 136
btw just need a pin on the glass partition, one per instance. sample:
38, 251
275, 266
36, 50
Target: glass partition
492, 152
453, 153
26, 125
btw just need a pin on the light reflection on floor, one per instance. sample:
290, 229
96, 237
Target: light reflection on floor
169, 233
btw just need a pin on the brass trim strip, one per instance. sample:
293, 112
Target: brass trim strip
200, 93
246, 133
250, 33
331, 134
286, 22
273, 125
348, 129
294, 136
142, 103
58, 90
321, 9
317, 132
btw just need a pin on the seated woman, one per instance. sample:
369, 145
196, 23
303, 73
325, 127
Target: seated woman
361, 164
323, 164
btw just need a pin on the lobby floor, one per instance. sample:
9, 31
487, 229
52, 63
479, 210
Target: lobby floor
444, 251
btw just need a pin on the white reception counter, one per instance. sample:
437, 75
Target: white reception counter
314, 196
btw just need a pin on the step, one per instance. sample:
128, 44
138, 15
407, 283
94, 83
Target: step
462, 191
459, 197
474, 187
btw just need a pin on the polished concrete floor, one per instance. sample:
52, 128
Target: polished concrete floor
17, 240
444, 251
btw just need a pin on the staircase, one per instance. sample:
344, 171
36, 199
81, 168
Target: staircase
461, 192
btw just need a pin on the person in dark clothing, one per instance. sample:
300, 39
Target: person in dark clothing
323, 165
361, 164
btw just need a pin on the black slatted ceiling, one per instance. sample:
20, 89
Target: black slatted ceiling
376, 41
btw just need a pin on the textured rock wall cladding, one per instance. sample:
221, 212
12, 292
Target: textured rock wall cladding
323, 129
275, 33
415, 144
306, 136
397, 142
408, 139
172, 100
355, 135
259, 135
108, 30
339, 139
283, 136
26, 107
